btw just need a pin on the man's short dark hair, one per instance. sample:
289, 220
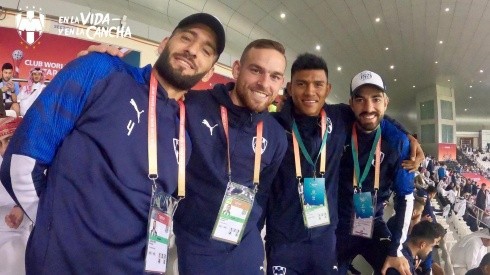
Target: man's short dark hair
263, 44
308, 61
426, 231
7, 66
485, 260
431, 189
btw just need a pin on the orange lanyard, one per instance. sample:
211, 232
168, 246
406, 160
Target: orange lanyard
152, 139
258, 146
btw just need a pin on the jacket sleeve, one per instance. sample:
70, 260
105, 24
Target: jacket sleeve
403, 186
50, 119
397, 124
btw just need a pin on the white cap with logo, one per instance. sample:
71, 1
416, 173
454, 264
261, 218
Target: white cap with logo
364, 78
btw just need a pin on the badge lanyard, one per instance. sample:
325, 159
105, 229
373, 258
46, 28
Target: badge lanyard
364, 203
162, 205
258, 147
297, 140
238, 200
152, 139
376, 147
312, 191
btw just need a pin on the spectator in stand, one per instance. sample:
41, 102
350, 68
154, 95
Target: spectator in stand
430, 165
9, 88
424, 236
483, 268
481, 201
460, 206
441, 171
474, 189
31, 91
14, 229
428, 210
469, 251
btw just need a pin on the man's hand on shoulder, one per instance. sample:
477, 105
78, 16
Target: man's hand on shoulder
102, 48
416, 155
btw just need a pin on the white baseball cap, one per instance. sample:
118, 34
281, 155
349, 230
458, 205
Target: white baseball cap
366, 77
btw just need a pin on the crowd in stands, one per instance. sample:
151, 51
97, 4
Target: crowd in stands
17, 99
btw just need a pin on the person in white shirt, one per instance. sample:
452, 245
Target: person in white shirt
14, 229
31, 91
469, 251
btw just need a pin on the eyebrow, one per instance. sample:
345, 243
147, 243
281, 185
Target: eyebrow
207, 43
257, 66
374, 96
312, 81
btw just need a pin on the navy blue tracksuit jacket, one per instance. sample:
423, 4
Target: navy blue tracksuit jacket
207, 178
89, 129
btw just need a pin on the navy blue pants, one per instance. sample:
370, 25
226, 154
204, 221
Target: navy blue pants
317, 256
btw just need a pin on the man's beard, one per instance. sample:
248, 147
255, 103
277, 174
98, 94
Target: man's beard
173, 76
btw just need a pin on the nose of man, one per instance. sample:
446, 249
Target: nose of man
264, 81
192, 49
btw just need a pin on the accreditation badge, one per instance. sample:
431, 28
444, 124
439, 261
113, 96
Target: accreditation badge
314, 202
159, 229
233, 213
363, 215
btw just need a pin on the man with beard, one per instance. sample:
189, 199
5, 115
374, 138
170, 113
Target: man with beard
94, 128
29, 93
423, 237
371, 170
237, 148
9, 89
297, 240
223, 124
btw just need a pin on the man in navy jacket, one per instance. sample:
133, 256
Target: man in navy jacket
259, 76
89, 130
383, 248
290, 245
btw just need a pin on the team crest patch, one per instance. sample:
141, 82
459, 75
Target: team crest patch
176, 149
264, 144
278, 270
329, 125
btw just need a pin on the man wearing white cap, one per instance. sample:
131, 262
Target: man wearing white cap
371, 171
